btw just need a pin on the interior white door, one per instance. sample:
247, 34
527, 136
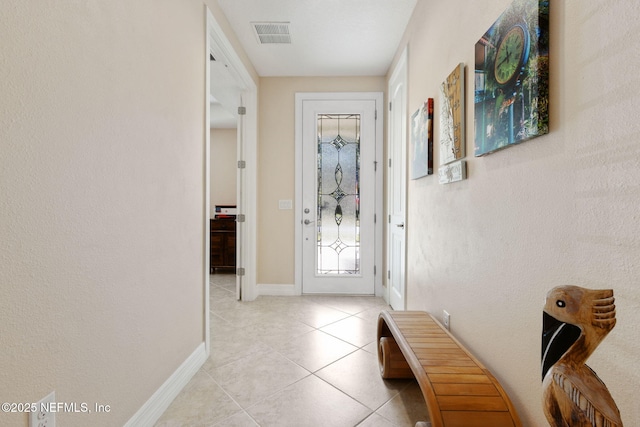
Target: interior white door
396, 202
338, 196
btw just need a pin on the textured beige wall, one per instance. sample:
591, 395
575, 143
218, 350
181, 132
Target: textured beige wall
560, 209
101, 208
276, 171
223, 167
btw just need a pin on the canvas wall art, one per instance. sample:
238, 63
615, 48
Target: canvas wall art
512, 78
452, 142
422, 141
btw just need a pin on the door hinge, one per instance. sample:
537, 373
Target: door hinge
240, 271
240, 218
389, 162
375, 218
389, 219
242, 111
242, 164
389, 106
375, 166
389, 274
376, 116
374, 270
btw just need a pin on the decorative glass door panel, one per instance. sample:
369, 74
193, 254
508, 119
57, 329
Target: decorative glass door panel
338, 204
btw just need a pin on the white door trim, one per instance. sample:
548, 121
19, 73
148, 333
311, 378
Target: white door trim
299, 98
206, 229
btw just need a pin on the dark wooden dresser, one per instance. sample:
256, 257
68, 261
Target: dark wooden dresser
223, 244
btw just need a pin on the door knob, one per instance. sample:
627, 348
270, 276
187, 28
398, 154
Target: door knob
400, 225
307, 222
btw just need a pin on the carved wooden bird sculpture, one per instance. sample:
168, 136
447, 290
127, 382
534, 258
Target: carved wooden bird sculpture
575, 321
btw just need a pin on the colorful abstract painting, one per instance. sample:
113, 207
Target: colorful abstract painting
512, 78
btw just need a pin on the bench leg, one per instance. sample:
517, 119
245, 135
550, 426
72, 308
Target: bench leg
391, 360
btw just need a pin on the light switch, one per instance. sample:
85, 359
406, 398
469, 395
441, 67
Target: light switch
285, 205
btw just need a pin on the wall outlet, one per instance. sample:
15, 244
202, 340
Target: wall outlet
43, 416
446, 319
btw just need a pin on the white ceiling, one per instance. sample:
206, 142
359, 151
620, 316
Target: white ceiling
328, 38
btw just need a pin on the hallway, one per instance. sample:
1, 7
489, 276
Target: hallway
293, 361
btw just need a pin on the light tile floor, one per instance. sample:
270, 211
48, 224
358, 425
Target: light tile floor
293, 361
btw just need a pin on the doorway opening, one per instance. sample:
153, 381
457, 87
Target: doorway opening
229, 84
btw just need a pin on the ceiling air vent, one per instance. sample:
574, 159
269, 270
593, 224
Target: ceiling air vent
272, 32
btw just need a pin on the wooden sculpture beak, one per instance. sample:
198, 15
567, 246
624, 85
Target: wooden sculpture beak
557, 339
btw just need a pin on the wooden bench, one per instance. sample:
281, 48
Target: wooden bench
458, 390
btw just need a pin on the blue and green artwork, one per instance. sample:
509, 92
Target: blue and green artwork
512, 78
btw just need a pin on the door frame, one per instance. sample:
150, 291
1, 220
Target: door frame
215, 39
378, 97
399, 74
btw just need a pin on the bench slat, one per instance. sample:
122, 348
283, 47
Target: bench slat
452, 370
429, 362
477, 419
459, 379
465, 389
472, 403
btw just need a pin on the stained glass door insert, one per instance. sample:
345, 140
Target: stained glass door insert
338, 207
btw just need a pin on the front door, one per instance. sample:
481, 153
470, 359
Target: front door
338, 196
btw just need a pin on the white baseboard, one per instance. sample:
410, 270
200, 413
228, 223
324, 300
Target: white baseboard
153, 408
276, 290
